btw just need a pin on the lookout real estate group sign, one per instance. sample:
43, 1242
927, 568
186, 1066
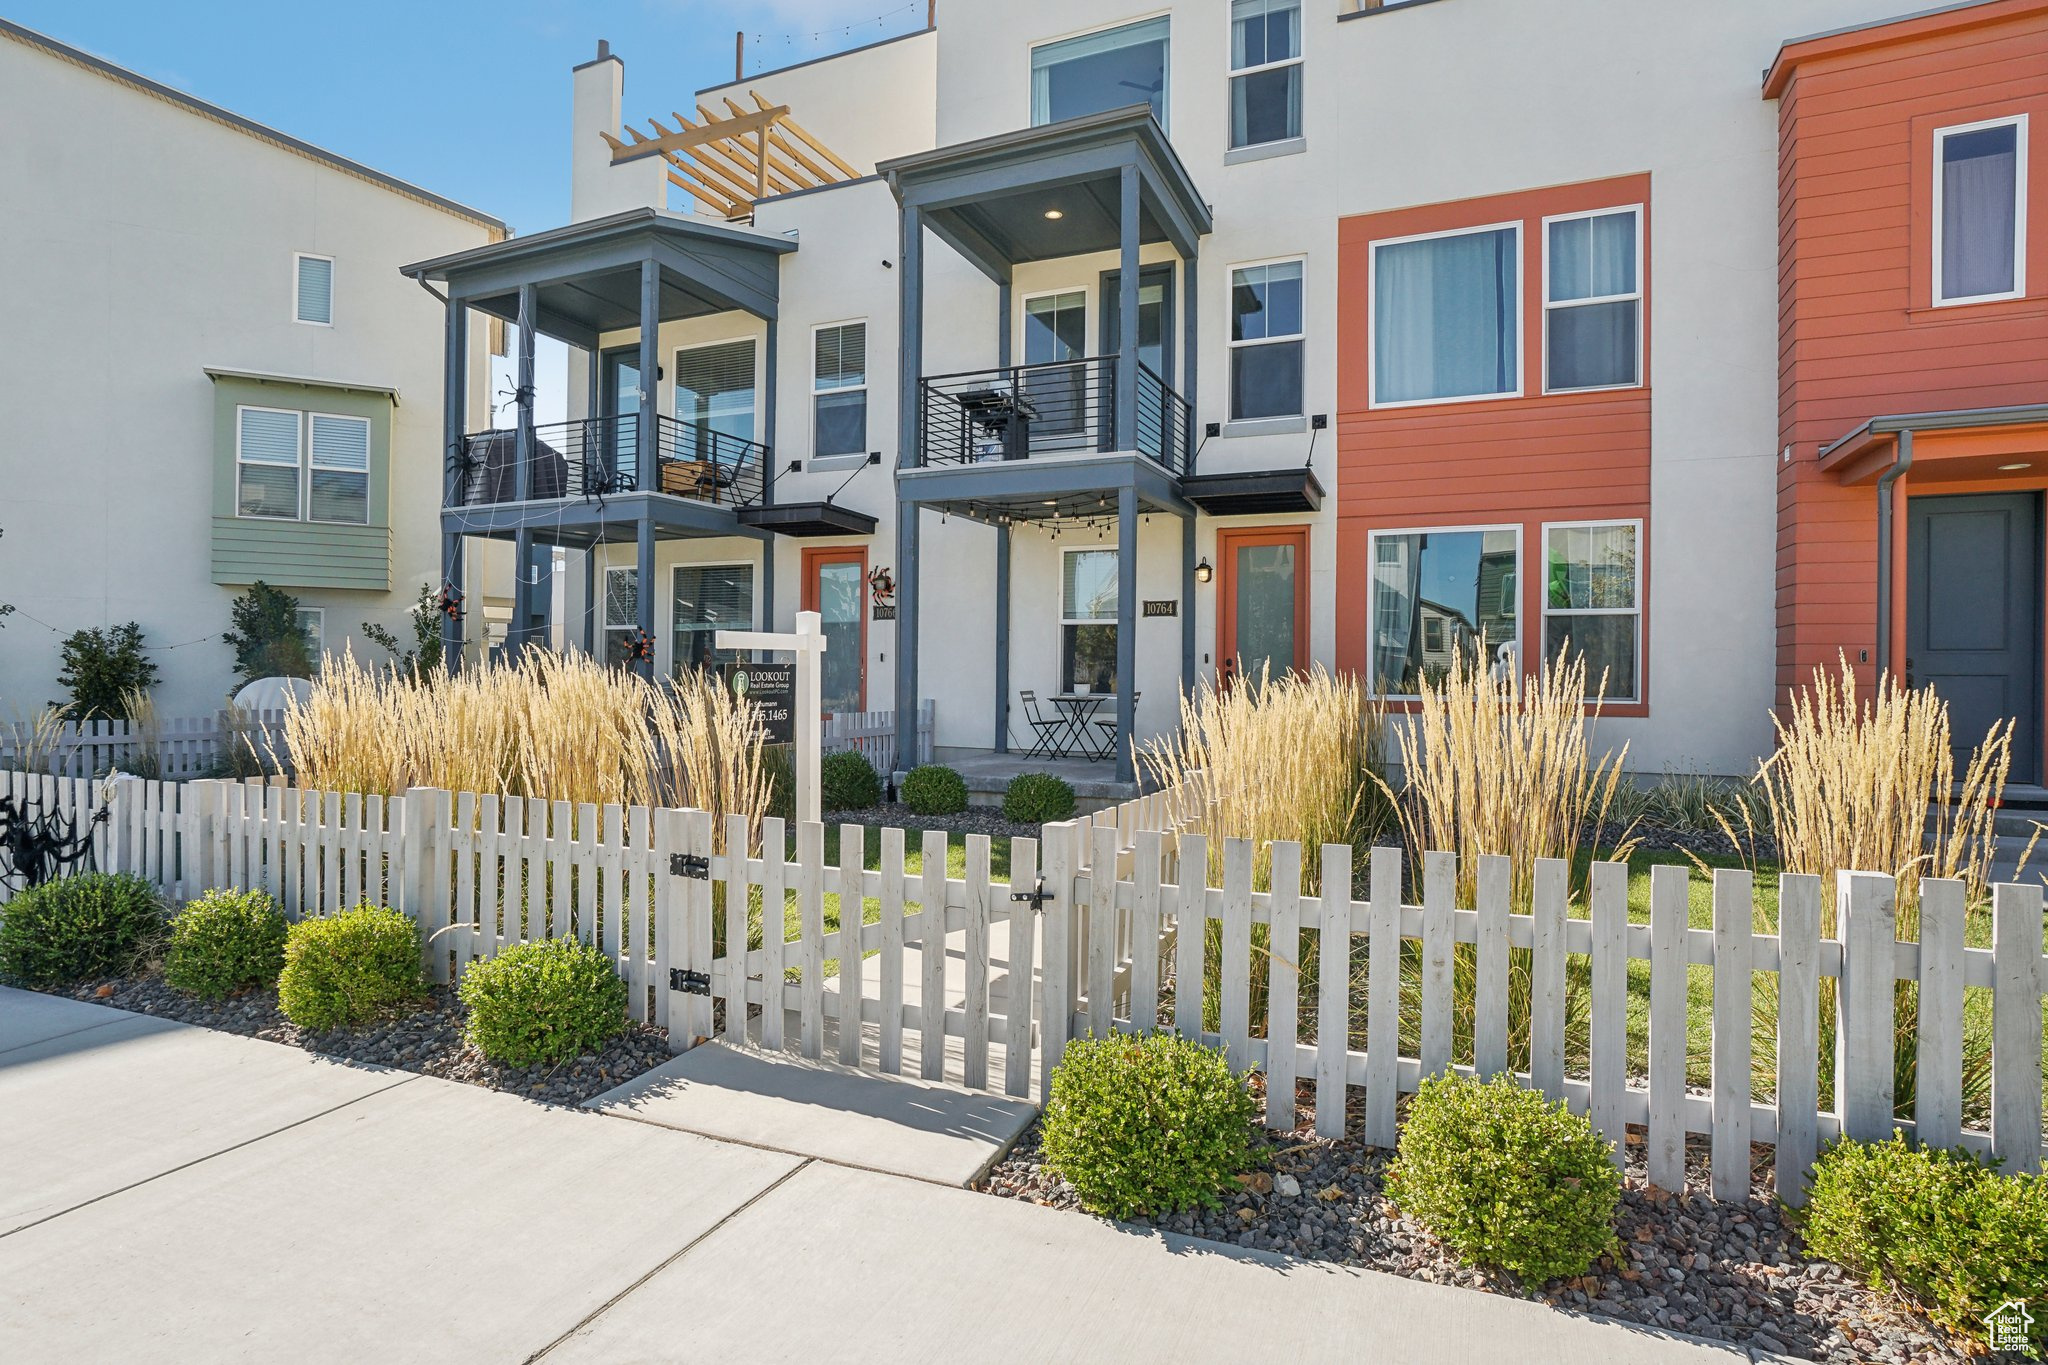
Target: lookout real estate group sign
790, 696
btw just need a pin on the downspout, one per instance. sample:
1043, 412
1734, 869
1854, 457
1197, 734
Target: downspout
1901, 462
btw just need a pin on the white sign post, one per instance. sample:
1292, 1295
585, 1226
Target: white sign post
808, 645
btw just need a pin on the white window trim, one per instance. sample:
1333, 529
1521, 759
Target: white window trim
1129, 21
2019, 233
1060, 586
860, 388
306, 461
1636, 297
1599, 523
1233, 72
1373, 587
760, 371
299, 464
298, 256
1231, 345
1372, 294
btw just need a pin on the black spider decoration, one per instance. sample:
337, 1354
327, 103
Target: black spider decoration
36, 845
639, 646
449, 603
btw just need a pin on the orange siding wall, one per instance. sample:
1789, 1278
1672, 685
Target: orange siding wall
1523, 461
1858, 335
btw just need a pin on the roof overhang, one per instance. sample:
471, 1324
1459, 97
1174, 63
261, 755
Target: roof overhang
1251, 492
808, 519
1065, 489
587, 275
989, 199
1926, 23
302, 381
1963, 442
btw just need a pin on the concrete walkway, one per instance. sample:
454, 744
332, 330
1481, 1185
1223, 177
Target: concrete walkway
171, 1194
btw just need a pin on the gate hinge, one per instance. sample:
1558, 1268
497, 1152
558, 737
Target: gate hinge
1037, 895
695, 865
689, 983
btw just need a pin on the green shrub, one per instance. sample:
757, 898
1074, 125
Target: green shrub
1506, 1178
1147, 1125
348, 968
935, 790
1938, 1226
847, 781
225, 941
1037, 798
77, 928
543, 1002
103, 669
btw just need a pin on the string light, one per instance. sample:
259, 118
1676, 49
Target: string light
846, 29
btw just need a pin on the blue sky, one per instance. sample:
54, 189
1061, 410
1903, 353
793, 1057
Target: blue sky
465, 98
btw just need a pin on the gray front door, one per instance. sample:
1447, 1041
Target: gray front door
1973, 616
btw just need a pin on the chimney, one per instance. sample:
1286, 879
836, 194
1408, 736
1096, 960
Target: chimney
596, 187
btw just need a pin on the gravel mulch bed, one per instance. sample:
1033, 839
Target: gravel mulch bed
1688, 1264
974, 820
426, 1039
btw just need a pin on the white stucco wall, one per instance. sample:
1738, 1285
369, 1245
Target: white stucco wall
867, 104
126, 271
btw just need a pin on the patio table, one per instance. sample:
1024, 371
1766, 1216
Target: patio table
1080, 708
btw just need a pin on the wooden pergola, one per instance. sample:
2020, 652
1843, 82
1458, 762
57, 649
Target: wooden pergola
728, 161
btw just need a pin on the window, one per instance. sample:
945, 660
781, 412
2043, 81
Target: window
1980, 213
340, 484
277, 452
621, 615
1592, 601
839, 385
1592, 300
709, 598
313, 626
1265, 71
1446, 316
267, 463
1265, 341
1440, 593
1088, 609
714, 394
1100, 71
313, 289
1056, 330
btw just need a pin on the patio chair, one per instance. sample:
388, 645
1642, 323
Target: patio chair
1047, 730
1108, 728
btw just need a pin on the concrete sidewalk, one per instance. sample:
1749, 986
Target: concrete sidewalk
177, 1195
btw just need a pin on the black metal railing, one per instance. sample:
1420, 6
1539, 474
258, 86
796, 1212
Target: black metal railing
596, 457
1058, 407
696, 461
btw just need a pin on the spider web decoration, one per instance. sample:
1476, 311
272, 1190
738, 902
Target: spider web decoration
37, 845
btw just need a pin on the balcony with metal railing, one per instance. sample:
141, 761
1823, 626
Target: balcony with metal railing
593, 458
1066, 407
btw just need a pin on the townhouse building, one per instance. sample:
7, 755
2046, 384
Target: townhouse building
213, 374
1055, 350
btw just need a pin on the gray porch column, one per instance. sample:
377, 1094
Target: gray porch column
1187, 602
768, 593
1127, 320
649, 477
909, 374
644, 591
768, 423
1126, 629
523, 575
454, 422
590, 572
907, 513
1190, 354
522, 473
1003, 636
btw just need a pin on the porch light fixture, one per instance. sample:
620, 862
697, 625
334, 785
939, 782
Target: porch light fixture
1055, 214
1203, 573
2015, 468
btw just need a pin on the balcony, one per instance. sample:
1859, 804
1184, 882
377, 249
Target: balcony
597, 457
1065, 407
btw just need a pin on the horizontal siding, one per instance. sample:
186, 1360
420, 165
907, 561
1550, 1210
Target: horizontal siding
296, 554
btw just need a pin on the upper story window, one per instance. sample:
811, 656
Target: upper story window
302, 466
1098, 71
1446, 321
313, 289
1980, 211
1592, 300
839, 387
1265, 340
1265, 71
715, 393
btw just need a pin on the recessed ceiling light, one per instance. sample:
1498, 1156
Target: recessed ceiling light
2015, 468
1054, 214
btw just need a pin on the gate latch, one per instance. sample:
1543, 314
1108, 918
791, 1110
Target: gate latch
695, 865
1037, 896
689, 983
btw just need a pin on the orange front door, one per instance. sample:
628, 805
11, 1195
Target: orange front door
1262, 601
836, 587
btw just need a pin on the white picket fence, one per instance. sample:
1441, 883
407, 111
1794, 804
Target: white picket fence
179, 748
873, 733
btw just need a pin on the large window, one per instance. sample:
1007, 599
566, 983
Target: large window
1447, 316
839, 389
621, 615
1980, 211
1265, 340
302, 466
1440, 593
1592, 300
1265, 71
313, 289
715, 391
1056, 330
709, 598
1088, 609
1592, 602
1099, 71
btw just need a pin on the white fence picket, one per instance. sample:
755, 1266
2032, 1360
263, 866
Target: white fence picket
1333, 986
1439, 907
1668, 910
931, 954
1490, 966
774, 930
1938, 1060
1283, 979
852, 860
1734, 914
1382, 1000
890, 1043
2016, 987
1548, 890
1234, 1005
1607, 1045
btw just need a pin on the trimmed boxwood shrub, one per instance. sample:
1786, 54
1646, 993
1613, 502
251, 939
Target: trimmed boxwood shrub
935, 789
349, 968
1037, 799
1938, 1226
78, 928
1147, 1125
226, 941
847, 781
1506, 1178
543, 1002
